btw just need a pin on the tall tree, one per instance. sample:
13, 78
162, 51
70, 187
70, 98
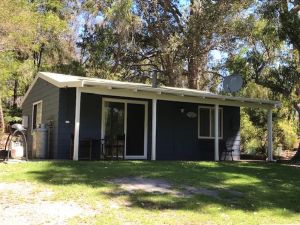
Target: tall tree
135, 38
34, 37
270, 53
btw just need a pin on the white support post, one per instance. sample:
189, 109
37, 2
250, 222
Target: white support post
216, 132
77, 124
270, 136
154, 111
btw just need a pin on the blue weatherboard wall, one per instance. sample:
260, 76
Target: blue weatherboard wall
90, 119
66, 122
49, 94
177, 135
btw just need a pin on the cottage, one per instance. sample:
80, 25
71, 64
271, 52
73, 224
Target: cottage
94, 118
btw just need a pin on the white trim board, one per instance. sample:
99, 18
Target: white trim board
211, 109
33, 104
77, 124
126, 101
154, 129
166, 97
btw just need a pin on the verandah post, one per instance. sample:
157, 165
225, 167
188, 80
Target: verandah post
77, 124
216, 132
270, 136
154, 112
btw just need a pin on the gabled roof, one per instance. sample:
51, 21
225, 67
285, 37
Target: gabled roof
68, 81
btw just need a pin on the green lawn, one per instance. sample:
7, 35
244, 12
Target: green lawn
271, 192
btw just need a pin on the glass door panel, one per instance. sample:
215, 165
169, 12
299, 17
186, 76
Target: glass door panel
114, 120
135, 129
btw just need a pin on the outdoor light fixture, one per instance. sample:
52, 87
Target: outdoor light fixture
191, 115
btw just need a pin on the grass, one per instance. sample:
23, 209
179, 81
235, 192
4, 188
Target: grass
271, 192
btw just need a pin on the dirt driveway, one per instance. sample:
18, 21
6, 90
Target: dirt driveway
23, 203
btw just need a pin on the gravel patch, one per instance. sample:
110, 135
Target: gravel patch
189, 191
42, 212
134, 184
23, 203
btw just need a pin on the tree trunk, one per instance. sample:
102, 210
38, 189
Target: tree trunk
2, 125
296, 158
15, 97
192, 74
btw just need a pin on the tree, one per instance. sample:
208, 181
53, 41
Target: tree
34, 37
137, 38
271, 53
209, 27
268, 54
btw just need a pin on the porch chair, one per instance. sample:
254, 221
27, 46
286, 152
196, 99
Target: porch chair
113, 147
120, 146
85, 148
226, 149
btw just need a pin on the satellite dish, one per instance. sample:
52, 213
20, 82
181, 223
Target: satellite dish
226, 84
232, 83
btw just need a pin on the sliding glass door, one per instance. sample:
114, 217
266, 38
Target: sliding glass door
126, 118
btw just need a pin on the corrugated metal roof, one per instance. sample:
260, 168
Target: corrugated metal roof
62, 80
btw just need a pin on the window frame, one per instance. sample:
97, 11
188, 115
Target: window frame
211, 108
34, 104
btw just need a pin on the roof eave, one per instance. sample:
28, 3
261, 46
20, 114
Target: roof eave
255, 102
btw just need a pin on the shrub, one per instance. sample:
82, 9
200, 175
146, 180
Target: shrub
287, 134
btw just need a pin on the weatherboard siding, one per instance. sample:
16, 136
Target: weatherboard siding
66, 122
49, 94
177, 135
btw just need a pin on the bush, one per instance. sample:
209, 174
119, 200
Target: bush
254, 131
12, 119
287, 134
12, 115
252, 147
252, 136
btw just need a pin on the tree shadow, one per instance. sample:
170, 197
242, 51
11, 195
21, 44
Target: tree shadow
263, 185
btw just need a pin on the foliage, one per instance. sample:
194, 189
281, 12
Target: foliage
132, 40
12, 114
254, 123
288, 134
251, 135
12, 119
268, 54
35, 37
254, 133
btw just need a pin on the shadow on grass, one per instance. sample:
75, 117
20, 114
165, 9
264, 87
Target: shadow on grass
263, 186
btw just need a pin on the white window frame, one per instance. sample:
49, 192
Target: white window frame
125, 102
32, 115
211, 108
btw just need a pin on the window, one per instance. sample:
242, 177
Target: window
36, 114
206, 122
